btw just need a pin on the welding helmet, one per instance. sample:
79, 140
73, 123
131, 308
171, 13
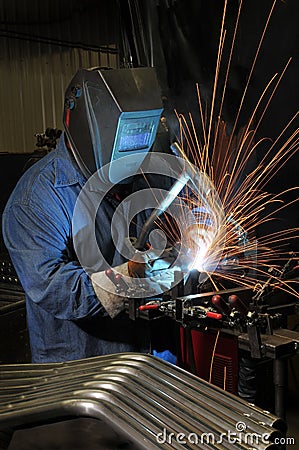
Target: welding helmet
110, 113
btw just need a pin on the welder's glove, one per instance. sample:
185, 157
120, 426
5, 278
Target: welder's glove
113, 292
158, 271
106, 290
152, 263
150, 273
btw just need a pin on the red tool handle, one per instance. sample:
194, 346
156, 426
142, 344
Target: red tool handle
220, 304
214, 315
121, 282
146, 307
111, 275
238, 304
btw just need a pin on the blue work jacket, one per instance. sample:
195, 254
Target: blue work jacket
66, 320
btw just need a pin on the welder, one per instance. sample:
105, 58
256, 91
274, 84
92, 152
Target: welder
108, 114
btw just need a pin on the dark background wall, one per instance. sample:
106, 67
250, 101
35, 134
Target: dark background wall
180, 38
44, 43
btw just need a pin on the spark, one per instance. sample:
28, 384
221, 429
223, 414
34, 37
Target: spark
224, 157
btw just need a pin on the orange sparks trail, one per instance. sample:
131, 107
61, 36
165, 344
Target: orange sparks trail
224, 157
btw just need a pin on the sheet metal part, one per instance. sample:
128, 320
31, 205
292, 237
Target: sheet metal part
137, 395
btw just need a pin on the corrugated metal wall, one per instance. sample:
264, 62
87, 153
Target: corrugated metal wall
42, 44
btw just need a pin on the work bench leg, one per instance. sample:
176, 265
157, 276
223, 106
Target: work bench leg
280, 371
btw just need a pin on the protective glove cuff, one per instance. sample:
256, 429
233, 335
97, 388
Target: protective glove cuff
105, 291
136, 269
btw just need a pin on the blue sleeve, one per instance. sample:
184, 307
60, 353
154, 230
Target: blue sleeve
40, 248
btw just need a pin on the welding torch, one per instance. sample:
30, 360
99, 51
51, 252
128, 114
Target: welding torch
201, 184
160, 209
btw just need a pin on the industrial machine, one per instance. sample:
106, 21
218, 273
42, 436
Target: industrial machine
226, 333
218, 328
